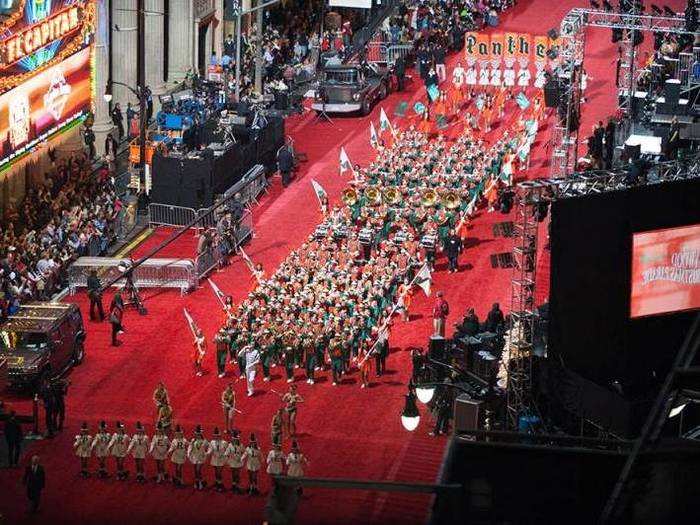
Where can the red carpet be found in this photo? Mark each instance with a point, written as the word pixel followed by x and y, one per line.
pixel 345 431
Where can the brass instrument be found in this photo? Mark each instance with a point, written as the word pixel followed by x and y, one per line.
pixel 451 200
pixel 349 196
pixel 429 198
pixel 374 195
pixel 392 196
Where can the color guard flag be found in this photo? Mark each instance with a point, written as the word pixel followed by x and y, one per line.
pixel 400 109
pixel 318 189
pixel 190 322
pixel 247 260
pixel 373 138
pixel 471 206
pixel 419 108
pixel 433 92
pixel 522 101
pixel 345 163
pixel 219 294
pixel 424 279
pixel 384 122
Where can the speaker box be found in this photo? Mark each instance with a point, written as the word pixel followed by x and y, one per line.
pixel 437 348
pixel 467 413
pixel 551 93
pixel 672 92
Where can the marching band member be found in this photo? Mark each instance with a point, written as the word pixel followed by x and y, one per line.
pixel 228 402
pixel 252 358
pixel 217 451
pixel 160 396
pixel 276 426
pixel 197 454
pixel 222 343
pixel 118 446
pixel 296 461
pixel 234 455
pixel 100 447
pixel 165 418
pixel 200 350
pixel 178 454
pixel 252 459
pixel 160 446
pixel 138 448
pixel 83 449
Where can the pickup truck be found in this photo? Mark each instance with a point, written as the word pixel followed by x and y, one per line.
pixel 349 88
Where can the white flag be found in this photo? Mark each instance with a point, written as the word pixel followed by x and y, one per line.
pixel 471 206
pixel 318 189
pixel 345 163
pixel 190 322
pixel 247 260
pixel 384 122
pixel 373 137
pixel 217 291
pixel 424 279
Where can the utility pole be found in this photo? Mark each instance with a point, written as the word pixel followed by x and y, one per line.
pixel 141 86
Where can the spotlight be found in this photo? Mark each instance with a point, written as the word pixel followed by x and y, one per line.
pixel 677 410
pixel 410 416
pixel 595 5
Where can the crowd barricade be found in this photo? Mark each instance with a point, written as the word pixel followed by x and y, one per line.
pixel 168 215
pixel 152 273
pixel 212 257
pixel 249 188
pixel 396 51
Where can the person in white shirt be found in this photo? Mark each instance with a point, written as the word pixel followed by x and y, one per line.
pixel 252 358
pixel 83 449
pixel 252 458
pixel 217 457
pixel 138 448
pixel 160 445
pixel 295 463
pixel 234 455
pixel 178 454
pixel 118 445
pixel 275 460
pixel 197 454
pixel 100 447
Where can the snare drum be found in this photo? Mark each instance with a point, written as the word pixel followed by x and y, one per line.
pixel 366 235
pixel 428 241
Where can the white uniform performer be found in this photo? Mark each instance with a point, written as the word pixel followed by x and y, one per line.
pixel 524 77
pixel 197 454
pixel 178 454
pixel 83 449
pixel 252 458
pixel 234 455
pixel 458 74
pixel 295 462
pixel 470 76
pixel 118 445
pixel 160 445
pixel 217 457
pixel 252 358
pixel 509 76
pixel 100 447
pixel 138 448
pixel 484 75
pixel 540 76
pixel 275 460
pixel 496 74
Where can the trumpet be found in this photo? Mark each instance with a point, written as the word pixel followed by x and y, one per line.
pixel 391 196
pixel 374 195
pixel 451 200
pixel 349 196
pixel 429 198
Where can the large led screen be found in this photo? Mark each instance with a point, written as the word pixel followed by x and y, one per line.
pixel 665 271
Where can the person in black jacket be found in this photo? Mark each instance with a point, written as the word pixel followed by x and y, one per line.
pixel 453 247
pixel 470 324
pixel 495 319
pixel 35 480
pixel 400 72
pixel 94 286
pixel 13 437
pixel 46 394
pixel 285 161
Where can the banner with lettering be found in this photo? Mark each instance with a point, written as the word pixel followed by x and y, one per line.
pixel 480 46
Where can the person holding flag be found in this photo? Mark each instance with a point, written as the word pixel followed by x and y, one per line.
pixel 345 163
pixel 373 137
pixel 322 197
pixel 200 350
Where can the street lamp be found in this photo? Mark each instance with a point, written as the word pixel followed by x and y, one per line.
pixel 425 393
pixel 410 417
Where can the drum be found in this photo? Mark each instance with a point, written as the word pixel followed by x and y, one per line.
pixel 400 237
pixel 428 241
pixel 340 232
pixel 366 236
pixel 321 231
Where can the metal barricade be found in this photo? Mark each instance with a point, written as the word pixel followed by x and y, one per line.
pixel 376 52
pixel 251 185
pixel 395 51
pixel 168 215
pixel 152 273
pixel 208 260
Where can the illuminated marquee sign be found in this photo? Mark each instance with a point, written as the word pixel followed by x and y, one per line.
pixel 45 71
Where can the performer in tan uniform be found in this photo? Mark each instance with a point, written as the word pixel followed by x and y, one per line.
pixel 234 455
pixel 228 403
pixel 118 445
pixel 100 447
pixel 178 455
pixel 160 445
pixel 83 449
pixel 217 457
pixel 138 448
pixel 197 454
pixel 252 458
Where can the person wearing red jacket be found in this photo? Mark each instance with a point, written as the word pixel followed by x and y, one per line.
pixel 440 312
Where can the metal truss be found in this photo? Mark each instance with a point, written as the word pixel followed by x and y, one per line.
pixel 528 196
pixel 571 49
